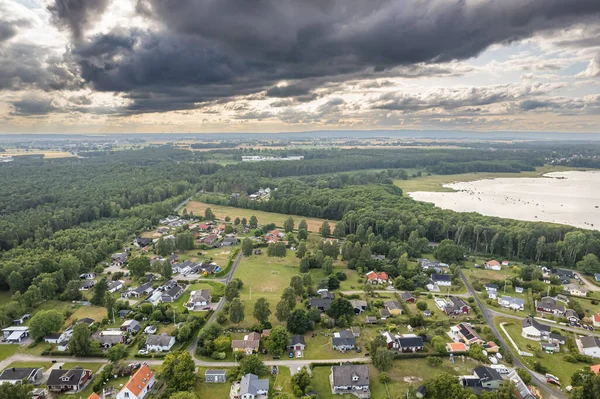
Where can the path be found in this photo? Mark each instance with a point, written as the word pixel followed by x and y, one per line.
pixel 178 207
pixel 489 318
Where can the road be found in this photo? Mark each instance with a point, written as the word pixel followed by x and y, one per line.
pixel 178 207
pixel 489 318
pixel 590 286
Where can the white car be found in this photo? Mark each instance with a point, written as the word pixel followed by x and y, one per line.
pixel 150 330
pixel 142 352
pixel 299 354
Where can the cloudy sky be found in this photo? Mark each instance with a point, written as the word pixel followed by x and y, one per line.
pixel 293 65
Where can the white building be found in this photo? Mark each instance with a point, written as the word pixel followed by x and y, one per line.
pixel 139 385
pixel 590 346
pixel 159 343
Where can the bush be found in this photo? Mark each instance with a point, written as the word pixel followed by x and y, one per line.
pixel 218 355
pixel 540 368
pixel 421 305
pixel 434 361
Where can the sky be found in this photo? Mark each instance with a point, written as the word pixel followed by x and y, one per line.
pixel 187 66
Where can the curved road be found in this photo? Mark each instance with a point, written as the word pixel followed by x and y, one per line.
pixel 489 318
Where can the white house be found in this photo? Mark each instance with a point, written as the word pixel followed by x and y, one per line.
pixel 250 387
pixel 533 330
pixel 159 343
pixel 576 290
pixel 138 385
pixel 115 286
pixel 590 346
pixel 352 379
pixel 15 334
pixel 512 303
pixel 198 299
pixel 493 265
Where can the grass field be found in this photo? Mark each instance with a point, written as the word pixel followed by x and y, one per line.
pixel 263 217
pixel 97 313
pixel 435 182
pixel 7 351
pixel 46 153
pixel 267 277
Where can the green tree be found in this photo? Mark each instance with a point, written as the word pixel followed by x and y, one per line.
pixel 167 269
pixel 139 266
pixel 377 342
pixel 298 322
pixel 253 364
pixel 434 361
pixel 303 225
pixel 178 372
pixel 232 290
pixel 421 305
pixel 301 379
pixel 209 215
pixel 445 386
pixel 45 322
pixel 109 303
pixel 325 230
pixel 261 310
pixel 244 221
pixel 382 358
pixel 341 307
pixel 282 311
pixel 307 280
pixel 278 340
pixel 183 395
pixel 247 247
pixel 222 343
pixel 16 391
pixel 289 295
pixel 16 282
pixel 449 252
pixel 588 265
pixel 297 284
pixel 100 290
pixel 116 353
pixel 253 222
pixel 164 247
pixel 305 264
pixel 301 250
pixel 302 234
pixel 184 333
pixel 236 311
pixel 236 221
pixel 288 225
pixel 328 265
pixel 80 343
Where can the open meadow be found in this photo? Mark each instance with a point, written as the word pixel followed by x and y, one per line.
pixel 221 212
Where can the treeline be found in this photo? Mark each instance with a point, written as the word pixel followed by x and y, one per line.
pixel 447 168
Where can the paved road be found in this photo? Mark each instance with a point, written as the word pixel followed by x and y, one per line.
pixel 178 207
pixel 489 317
pixel 590 286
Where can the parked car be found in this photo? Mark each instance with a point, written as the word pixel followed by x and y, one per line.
pixel 299 354
pixel 358 350
pixel 142 352
pixel 291 355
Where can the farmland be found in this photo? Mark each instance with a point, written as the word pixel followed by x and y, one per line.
pixel 263 217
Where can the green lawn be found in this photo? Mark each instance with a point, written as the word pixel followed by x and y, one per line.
pixel 44 365
pixel 435 182
pixel 554 362
pixel 97 313
pixel 263 217
pixel 7 351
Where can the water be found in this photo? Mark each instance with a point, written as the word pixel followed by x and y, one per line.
pixel 571 198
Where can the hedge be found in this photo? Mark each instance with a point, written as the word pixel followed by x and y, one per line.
pixel 232 258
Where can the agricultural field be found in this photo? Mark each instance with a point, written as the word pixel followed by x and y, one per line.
pixel 436 182
pixel 263 217
pixel 48 154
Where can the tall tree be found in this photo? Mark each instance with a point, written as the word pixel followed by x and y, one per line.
pixel 209 215
pixel 289 295
pixel 247 247
pixel 303 225
pixel 253 222
pixel 298 322
pixel 139 266
pixel 178 372
pixel 325 230
pixel 252 364
pixel 341 307
pixel 297 284
pixel 288 225
pixel 167 269
pixel 301 250
pixel 282 311
pixel 261 310
pixel 100 290
pixel 232 291
pixel 236 311
pixel 16 391
pixel 328 265
pixel 383 358
pixel 80 343
pixel 109 303
pixel 45 322
pixel 278 340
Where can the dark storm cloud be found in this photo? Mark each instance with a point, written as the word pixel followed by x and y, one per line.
pixel 205 50
pixel 10 28
pixel 32 107
pixel 77 15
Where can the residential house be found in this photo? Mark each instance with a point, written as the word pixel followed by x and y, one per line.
pixel 131 326
pixel 210 268
pixel 159 343
pixel 378 257
pixel 198 298
pixel 490 286
pixel 87 276
pixel 355 331
pixel 505 263
pixel 492 293
pixel 520 386
pixel 384 314
pixel 595 369
pixel 393 307
pixel 463 332
pixel 119 259
pixel 596 320
pixel 141 242
pixel 139 292
pixel 351 379
pixel 172 294
pixel 572 316
pixel 209 240
pixel 408 297
pixel 511 303
pixel 532 329
pixel 493 265
pixel 377 277
pixel 215 376
pixel 18 375
pixel 250 387
pixel 15 334
pixel 371 320
pixel 360 305
pixel 491 347
pixel 139 385
pixel 296 343
pixel 548 305
pixel 250 344
pixel 455 347
pixel 123 313
pixel 71 381
pixel 54 338
pixel 343 340
pixel 115 286
pixel 390 339
pixel 155 298
pixel 42 393
pixel 590 346
pixel 410 343
pixel 519 290
pixel 483 379
pixel 562 298
pixel 442 280
pixel 110 338
pixel 456 306
pixel 85 285
pixel 22 319
pixel 576 290
pixel 229 241
pixel 324 302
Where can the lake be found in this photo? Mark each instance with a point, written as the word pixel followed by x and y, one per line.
pixel 571 198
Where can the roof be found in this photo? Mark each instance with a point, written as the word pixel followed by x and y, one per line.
pixel 407 295
pixel 324 303
pixel 139 380
pixel 359 303
pixel 571 313
pixel 596 318
pixel 200 296
pixel 131 324
pixel 343 375
pixel 296 339
pixel 590 342
pixel 531 322
pixel 410 342
pixel 595 369
pixel 174 291
pixel 441 277
pixel 114 284
pixel 94 395
pixel 158 340
pixel 340 341
pixel 492 262
pixel 250 384
pixel 487 374
pixel 73 375
pixel 393 305
pixel 468 332
pixel 456 347
pixel 215 372
pixel 253 336
pixel 14 373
